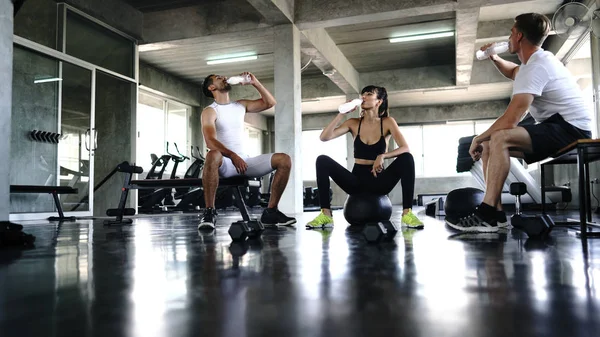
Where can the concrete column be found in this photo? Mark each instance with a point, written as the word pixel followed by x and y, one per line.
pixel 288 113
pixel 595 45
pixel 6 71
pixel 349 138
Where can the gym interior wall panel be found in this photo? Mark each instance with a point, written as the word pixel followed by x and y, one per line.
pixel 36 21
pixel 114 111
pixel 34 107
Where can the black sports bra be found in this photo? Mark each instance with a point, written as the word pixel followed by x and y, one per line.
pixel 369 152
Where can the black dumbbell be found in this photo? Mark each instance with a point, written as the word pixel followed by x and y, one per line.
pixel 535 226
pixel 377 231
pixel 241 230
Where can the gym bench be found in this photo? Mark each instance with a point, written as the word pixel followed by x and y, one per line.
pixel 54 190
pixel 581 152
pixel 238 183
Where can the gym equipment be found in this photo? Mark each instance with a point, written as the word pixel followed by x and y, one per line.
pixel 246 228
pixel 581 152
pixel 517 173
pixel 462 201
pixel 375 232
pixel 536 227
pixel 54 190
pixel 242 229
pixel 360 209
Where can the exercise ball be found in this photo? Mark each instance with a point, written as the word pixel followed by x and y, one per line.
pixel 462 201
pixel 360 209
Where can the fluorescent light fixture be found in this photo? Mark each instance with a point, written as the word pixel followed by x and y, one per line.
pixel 44 80
pixel 232 58
pixel 420 37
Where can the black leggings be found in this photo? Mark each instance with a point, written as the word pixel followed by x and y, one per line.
pixel 361 180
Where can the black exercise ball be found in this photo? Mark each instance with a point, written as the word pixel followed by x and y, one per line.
pixel 360 209
pixel 462 201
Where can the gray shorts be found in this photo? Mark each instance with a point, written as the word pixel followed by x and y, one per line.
pixel 257 166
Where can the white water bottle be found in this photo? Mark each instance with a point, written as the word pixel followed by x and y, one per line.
pixel 496 48
pixel 349 106
pixel 239 79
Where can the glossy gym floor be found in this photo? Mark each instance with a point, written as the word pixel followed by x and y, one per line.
pixel 160 277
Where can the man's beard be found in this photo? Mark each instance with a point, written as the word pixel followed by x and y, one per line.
pixel 227 87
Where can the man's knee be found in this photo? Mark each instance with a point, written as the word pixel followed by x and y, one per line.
pixel 213 158
pixel 498 139
pixel 281 161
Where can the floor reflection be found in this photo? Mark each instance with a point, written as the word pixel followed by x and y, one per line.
pixel 161 277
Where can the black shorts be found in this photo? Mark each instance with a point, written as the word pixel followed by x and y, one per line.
pixel 550 136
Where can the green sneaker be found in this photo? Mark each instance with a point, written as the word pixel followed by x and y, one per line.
pixel 410 220
pixel 321 221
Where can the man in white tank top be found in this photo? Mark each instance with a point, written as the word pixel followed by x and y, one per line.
pixel 223 130
pixel 546 88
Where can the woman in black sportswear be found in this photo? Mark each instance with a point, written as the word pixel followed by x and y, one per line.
pixel 371 132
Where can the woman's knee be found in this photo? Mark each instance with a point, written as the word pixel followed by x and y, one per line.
pixel 323 161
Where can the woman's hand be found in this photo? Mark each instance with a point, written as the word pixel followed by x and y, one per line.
pixel 377 165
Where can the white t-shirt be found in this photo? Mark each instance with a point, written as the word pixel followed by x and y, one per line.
pixel 230 126
pixel 554 90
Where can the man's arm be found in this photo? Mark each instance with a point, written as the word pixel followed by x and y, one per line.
pixel 506 68
pixel 516 109
pixel 209 130
pixel 265 101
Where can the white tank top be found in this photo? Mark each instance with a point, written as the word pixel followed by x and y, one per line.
pixel 230 126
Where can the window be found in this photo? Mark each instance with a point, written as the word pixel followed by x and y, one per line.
pixel 160 121
pixel 443 149
pixel 414 138
pixel 312 147
pixel 433 144
pixel 253 141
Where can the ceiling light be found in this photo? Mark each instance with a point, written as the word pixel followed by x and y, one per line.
pixel 44 80
pixel 232 58
pixel 420 37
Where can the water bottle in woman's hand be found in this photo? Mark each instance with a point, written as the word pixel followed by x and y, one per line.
pixel 349 106
pixel 496 48
pixel 240 79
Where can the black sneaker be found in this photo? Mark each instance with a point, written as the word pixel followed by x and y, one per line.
pixel 209 219
pixel 501 219
pixel 474 222
pixel 274 217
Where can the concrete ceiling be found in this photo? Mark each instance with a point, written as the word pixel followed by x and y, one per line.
pixel 348 35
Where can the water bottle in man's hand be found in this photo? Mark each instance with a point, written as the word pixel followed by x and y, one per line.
pixel 496 48
pixel 240 79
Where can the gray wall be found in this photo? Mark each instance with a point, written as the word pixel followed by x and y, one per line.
pixel 169 86
pixel 114 123
pixel 6 65
pixel 35 107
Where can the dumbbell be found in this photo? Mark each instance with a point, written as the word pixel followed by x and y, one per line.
pixel 535 226
pixel 376 231
pixel 241 230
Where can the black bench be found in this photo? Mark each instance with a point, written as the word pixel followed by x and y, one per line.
pixel 238 183
pixel 581 152
pixel 54 190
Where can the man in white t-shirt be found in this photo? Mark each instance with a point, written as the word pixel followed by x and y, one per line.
pixel 546 88
pixel 223 130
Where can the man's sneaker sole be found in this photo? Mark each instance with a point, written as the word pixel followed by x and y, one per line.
pixel 206 226
pixel 288 223
pixel 502 224
pixel 475 229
